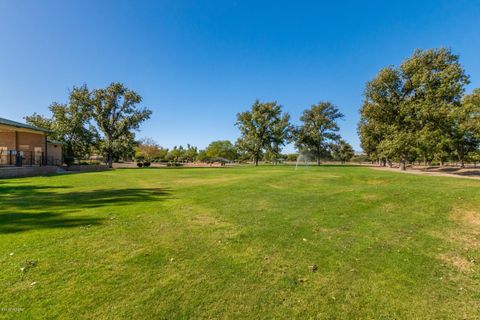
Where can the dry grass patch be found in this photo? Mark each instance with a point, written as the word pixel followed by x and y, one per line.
pixel 468 217
pixel 388 207
pixel 468 232
pixel 224 230
pixel 375 182
pixel 460 263
pixel 370 197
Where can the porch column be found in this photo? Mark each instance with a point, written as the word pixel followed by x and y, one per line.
pixel 16 141
pixel 45 159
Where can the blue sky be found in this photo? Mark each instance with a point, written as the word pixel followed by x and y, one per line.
pixel 198 63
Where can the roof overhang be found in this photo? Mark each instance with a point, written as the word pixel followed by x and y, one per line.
pixel 6 128
pixel 9 125
pixel 54 142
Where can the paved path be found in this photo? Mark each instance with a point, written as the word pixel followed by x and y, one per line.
pixel 450 172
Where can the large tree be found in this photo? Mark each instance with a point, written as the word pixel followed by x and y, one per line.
pixel 176 154
pixel 221 149
pixel 116 113
pixel 191 153
pixel 70 124
pixel 342 151
pixel 383 118
pixel 405 113
pixel 465 130
pixel 433 84
pixel 148 149
pixel 281 133
pixel 318 130
pixel 262 128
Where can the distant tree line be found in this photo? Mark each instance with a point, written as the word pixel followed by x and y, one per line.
pixel 103 122
pixel 419 112
pixel 223 151
pixel 265 129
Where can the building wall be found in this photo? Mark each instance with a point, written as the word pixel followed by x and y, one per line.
pixel 16 172
pixel 88 168
pixel 7 139
pixel 54 152
pixel 30 141
pixel 31 146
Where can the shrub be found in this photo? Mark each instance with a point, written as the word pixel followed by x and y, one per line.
pixel 68 160
pixel 292 157
pixel 174 164
pixel 139 164
pixel 146 164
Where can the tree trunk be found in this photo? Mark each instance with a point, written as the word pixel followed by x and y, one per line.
pixel 461 157
pixel 319 152
pixel 403 161
pixel 110 160
pixel 256 161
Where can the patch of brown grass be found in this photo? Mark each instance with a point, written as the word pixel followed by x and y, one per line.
pixel 458 262
pixel 469 217
pixel 466 234
pixel 388 207
pixel 468 221
pixel 370 197
pixel 375 182
pixel 206 220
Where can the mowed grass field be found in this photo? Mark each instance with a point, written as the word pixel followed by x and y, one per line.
pixel 267 242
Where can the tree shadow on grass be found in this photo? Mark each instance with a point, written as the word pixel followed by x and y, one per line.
pixel 28 207
pixel 469 172
pixel 20 222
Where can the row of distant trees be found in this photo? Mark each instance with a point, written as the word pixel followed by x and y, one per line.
pixel 265 129
pixel 102 122
pixel 224 151
pixel 415 112
pixel 95 122
pixel 419 112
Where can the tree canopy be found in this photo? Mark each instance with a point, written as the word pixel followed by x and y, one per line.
pixel 70 124
pixel 319 129
pixel 342 151
pixel 415 111
pixel 116 113
pixel 264 128
pixel 221 149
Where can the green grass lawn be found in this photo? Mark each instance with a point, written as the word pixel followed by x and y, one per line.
pixel 266 242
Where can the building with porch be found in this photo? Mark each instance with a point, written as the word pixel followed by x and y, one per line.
pixel 25 145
